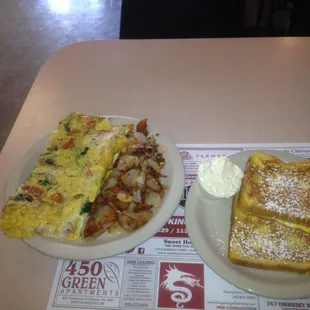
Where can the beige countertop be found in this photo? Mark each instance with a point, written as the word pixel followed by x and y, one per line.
pixel 196 91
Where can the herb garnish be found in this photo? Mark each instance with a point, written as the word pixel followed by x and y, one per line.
pixel 67 127
pixel 86 207
pixel 84 152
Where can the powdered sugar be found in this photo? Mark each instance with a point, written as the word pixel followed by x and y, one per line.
pixel 280 190
pixel 265 240
pixel 283 190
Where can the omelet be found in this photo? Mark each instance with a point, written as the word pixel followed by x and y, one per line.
pixel 56 199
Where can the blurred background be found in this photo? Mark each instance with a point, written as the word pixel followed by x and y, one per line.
pixel 214 19
pixel 31 30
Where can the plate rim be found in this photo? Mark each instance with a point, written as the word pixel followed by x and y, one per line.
pixel 130 241
pixel 285 292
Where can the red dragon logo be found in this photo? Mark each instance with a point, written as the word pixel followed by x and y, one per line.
pixel 181 285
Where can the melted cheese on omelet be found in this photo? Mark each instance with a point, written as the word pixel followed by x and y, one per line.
pixel 56 198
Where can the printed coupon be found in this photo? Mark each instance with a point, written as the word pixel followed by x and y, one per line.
pixel 139 287
pixel 284 304
pixel 221 295
pixel 181 285
pixel 88 284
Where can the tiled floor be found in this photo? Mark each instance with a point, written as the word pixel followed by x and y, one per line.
pixel 31 30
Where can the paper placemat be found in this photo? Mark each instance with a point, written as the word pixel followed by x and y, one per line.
pixel 150 276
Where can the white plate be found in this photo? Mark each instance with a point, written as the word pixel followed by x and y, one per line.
pixel 208 225
pixel 105 245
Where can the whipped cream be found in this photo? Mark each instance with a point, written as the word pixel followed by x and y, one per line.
pixel 220 177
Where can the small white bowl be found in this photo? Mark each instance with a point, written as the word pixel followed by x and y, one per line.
pixel 207 194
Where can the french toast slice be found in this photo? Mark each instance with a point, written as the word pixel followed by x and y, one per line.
pixel 263 243
pixel 272 188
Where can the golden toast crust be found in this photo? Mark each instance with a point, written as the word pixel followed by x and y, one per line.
pixel 263 243
pixel 273 188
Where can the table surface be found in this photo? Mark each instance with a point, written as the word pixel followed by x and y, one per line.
pixel 196 91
